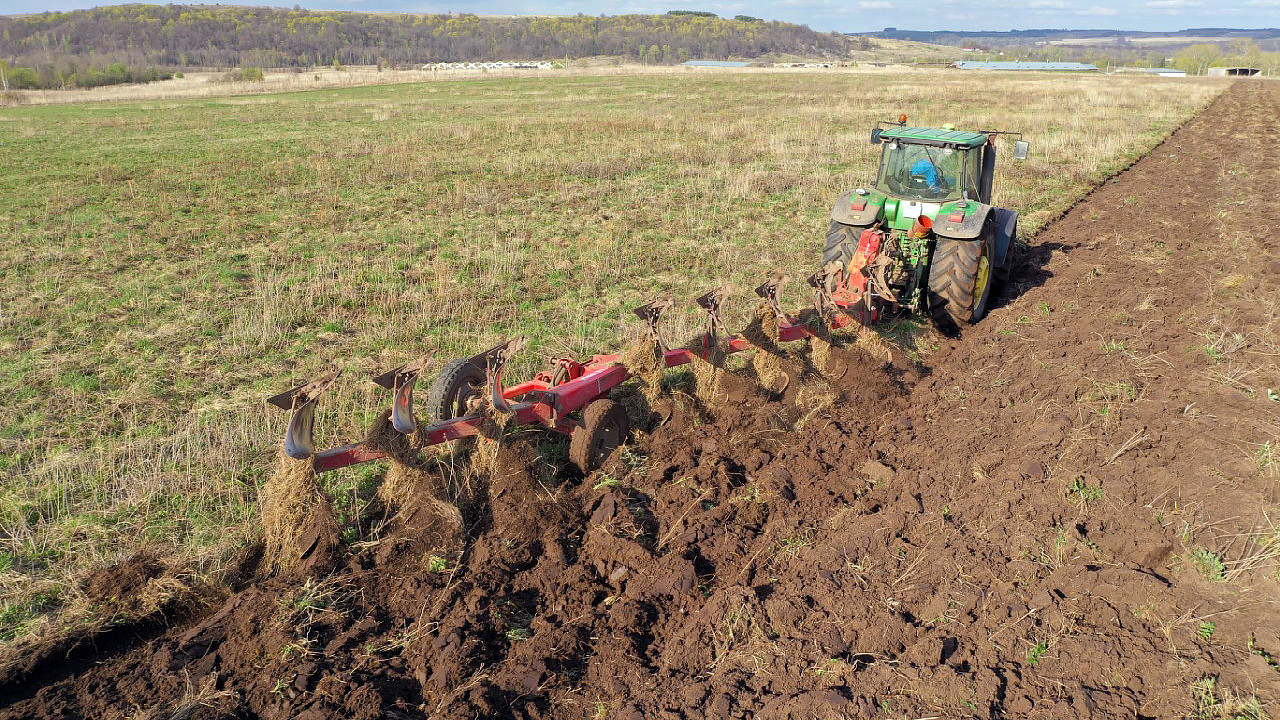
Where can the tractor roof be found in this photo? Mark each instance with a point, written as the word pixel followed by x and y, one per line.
pixel 934 136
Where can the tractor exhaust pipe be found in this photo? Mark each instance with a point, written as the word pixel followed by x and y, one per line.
pixel 920 228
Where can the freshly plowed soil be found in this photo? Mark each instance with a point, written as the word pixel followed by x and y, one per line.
pixel 1026 528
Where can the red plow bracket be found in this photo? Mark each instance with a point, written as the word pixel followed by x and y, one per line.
pixel 822 283
pixel 400 382
pixel 770 291
pixel 301 402
pixel 710 301
pixel 651 314
pixel 495 361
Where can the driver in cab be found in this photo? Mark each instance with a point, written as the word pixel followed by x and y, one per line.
pixel 926 170
pixel 921 172
pixel 933 171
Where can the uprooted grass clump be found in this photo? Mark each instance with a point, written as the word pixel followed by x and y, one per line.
pixel 300 527
pixel 426 517
pixel 773 372
pixel 709 372
pixel 418 491
pixel 645 360
pixel 801 373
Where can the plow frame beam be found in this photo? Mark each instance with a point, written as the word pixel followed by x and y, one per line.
pixel 537 402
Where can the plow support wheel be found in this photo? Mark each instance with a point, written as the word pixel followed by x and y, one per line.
pixel 604 428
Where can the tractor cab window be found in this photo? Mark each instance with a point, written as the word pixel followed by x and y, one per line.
pixel 972 173
pixel 921 172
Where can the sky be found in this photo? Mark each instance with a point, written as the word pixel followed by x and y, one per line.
pixel 840 15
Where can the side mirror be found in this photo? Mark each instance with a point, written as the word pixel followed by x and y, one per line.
pixel 1020 148
pixel 875 136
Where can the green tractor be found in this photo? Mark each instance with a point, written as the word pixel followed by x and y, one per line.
pixel 926 237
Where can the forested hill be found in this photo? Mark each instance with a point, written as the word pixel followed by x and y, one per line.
pixel 227 36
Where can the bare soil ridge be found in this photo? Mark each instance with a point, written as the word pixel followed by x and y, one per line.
pixel 1026 529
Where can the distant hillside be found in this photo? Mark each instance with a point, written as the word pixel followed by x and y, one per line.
pixel 177 36
pixel 1194 50
pixel 1266 37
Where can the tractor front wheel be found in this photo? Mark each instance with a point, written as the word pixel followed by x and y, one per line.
pixel 960 280
pixel 604 427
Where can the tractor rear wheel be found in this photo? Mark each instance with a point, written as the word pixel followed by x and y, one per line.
pixel 1004 271
pixel 604 427
pixel 960 280
pixel 842 243
pixel 453 388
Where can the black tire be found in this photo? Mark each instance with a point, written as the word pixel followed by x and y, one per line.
pixel 455 384
pixel 1001 275
pixel 959 291
pixel 604 427
pixel 842 243
pixel 1004 272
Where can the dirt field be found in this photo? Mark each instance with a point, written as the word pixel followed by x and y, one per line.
pixel 1069 512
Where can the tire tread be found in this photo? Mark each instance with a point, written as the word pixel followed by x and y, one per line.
pixel 595 416
pixel 952 275
pixel 842 243
pixel 440 396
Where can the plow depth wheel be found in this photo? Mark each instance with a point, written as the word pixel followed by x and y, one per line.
pixel 604 426
pixel 453 388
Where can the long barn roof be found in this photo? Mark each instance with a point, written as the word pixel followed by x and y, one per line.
pixel 1014 65
pixel 714 63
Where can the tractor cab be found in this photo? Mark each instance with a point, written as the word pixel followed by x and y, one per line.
pixel 935 165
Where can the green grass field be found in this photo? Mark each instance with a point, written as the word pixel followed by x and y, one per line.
pixel 168 264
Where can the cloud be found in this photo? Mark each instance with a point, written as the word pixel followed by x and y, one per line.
pixel 1099 11
pixel 1166 4
pixel 875 5
pixel 1263 3
pixel 1054 4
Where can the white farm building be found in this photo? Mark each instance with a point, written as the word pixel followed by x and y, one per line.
pixel 499 65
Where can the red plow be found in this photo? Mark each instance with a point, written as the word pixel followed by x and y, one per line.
pixel 465 389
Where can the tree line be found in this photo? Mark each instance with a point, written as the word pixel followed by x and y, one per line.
pixel 71 74
pixel 189 36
